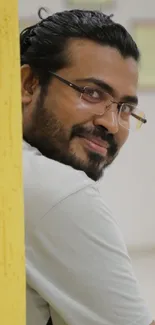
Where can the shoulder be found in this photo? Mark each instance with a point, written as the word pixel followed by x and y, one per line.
pixel 48 182
pixel 74 246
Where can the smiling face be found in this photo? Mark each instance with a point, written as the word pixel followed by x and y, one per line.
pixel 66 127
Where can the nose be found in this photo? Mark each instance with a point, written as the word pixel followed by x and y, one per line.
pixel 109 120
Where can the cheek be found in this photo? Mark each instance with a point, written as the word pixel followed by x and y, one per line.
pixel 121 137
pixel 67 107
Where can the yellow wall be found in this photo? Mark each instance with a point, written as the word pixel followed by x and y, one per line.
pixel 12 273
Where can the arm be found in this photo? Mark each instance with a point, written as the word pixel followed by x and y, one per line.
pixel 83 268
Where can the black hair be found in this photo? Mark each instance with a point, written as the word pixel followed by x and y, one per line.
pixel 44 45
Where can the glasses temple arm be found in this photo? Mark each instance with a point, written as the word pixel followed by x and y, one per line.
pixel 70 84
pixel 141 119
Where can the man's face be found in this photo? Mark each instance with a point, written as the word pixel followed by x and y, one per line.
pixel 66 128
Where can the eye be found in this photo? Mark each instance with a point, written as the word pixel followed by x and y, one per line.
pixel 127 108
pixel 93 95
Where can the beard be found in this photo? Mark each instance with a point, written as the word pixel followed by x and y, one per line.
pixel 49 136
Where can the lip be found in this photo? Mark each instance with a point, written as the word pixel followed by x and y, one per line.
pixel 97 145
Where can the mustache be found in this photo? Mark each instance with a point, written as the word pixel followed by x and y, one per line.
pixel 98 132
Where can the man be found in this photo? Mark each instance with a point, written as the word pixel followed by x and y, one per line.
pixel 79 73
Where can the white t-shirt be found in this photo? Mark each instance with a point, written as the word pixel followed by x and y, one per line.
pixel 78 268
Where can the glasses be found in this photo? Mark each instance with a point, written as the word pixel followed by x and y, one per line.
pixel 98 102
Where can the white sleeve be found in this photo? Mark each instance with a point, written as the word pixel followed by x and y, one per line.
pixel 80 266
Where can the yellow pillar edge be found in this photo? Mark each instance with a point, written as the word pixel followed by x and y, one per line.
pixel 12 260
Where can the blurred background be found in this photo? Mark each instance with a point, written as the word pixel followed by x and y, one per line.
pixel 129 185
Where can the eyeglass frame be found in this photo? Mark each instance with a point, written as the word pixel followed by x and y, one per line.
pixel 82 90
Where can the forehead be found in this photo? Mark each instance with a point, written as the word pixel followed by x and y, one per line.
pixel 90 59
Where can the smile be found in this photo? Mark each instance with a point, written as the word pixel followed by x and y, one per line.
pixel 96 145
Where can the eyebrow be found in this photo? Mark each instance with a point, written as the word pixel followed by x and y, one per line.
pixel 110 90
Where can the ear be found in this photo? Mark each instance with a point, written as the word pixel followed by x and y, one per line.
pixel 29 84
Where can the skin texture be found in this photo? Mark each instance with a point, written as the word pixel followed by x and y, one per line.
pixel 62 125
